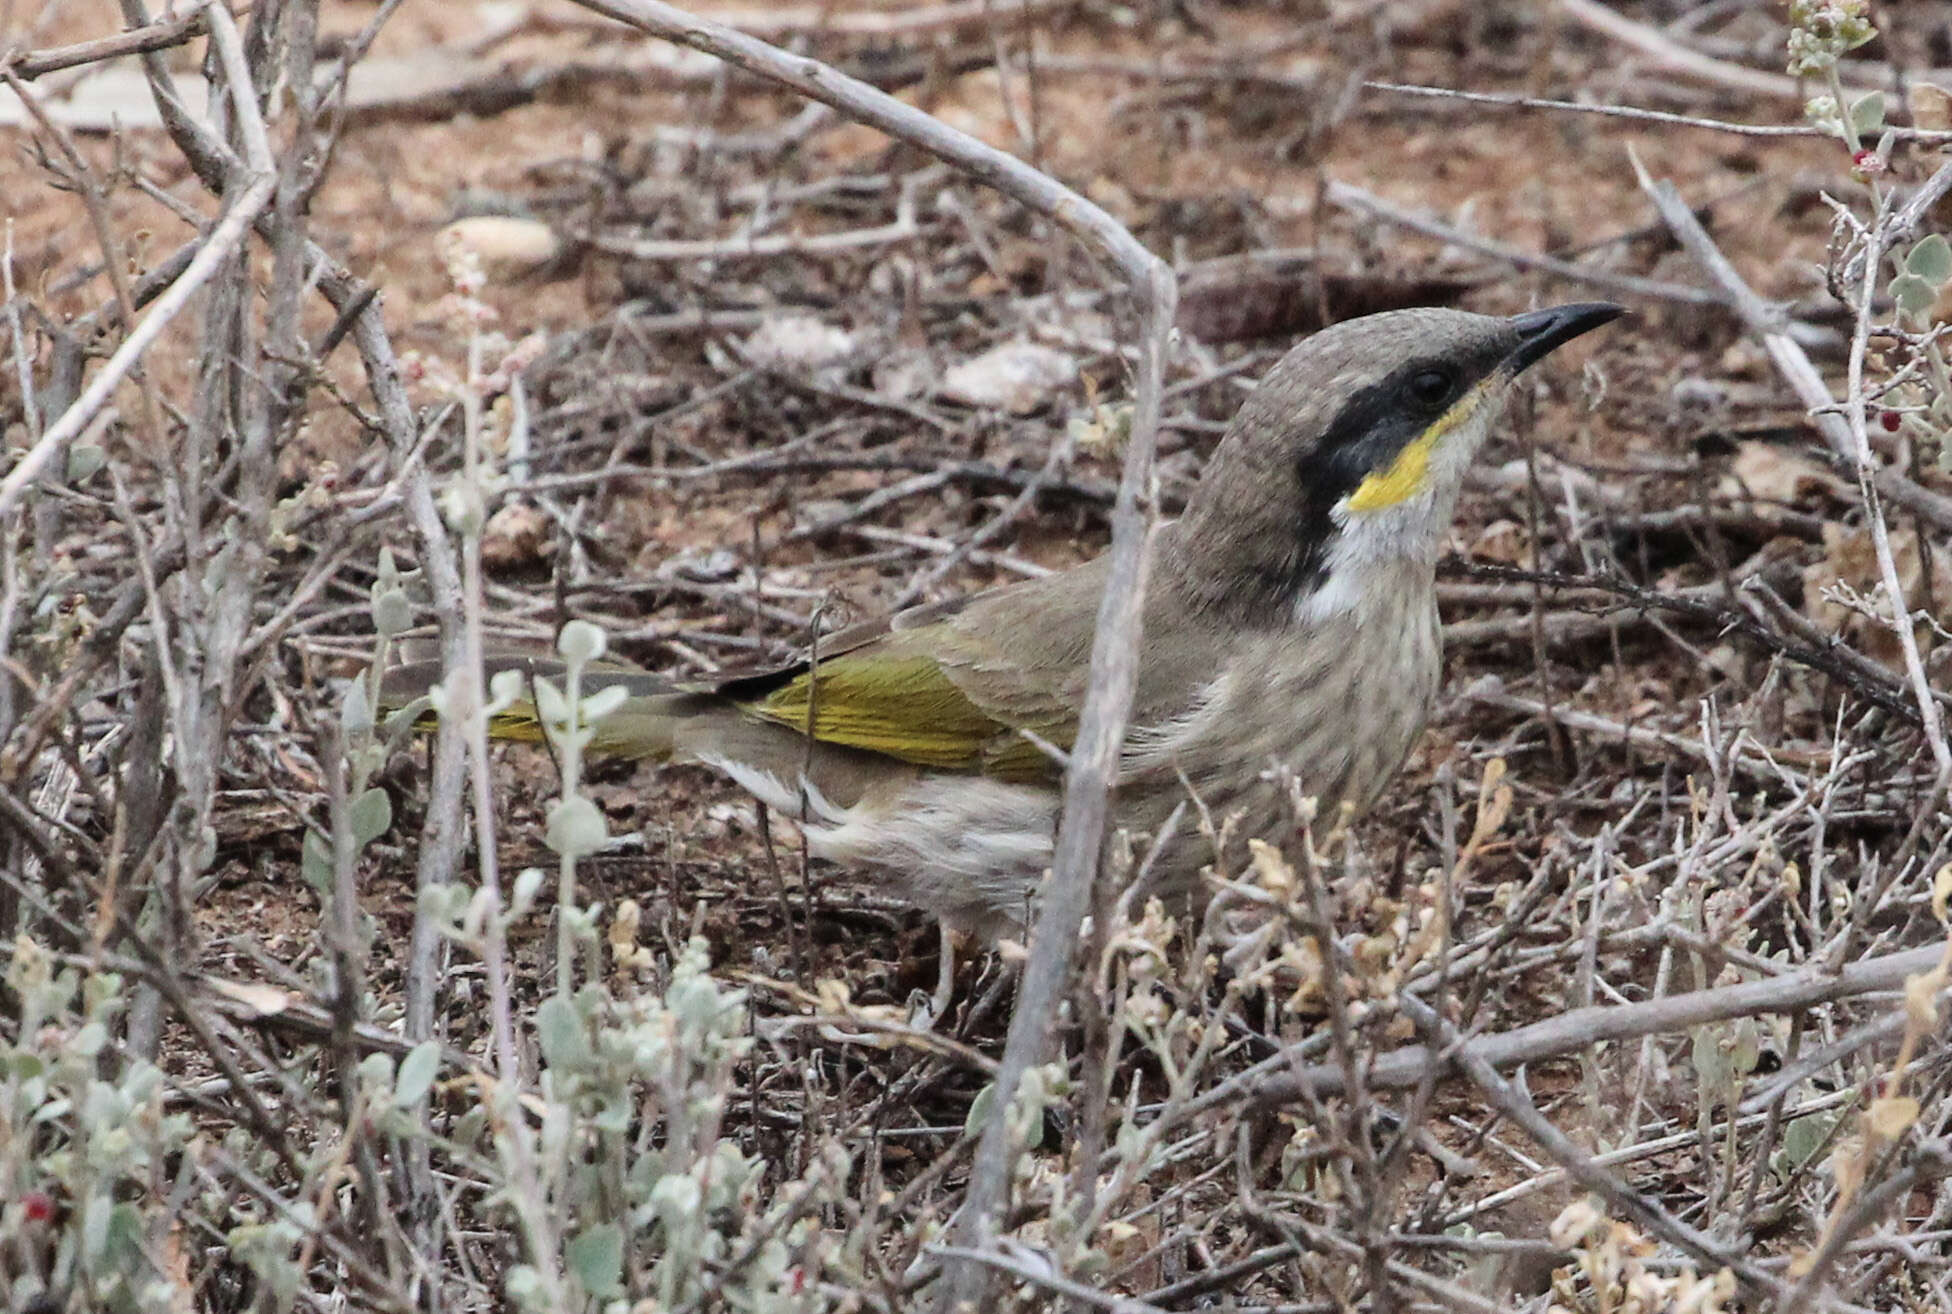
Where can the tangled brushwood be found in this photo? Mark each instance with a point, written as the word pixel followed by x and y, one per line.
pixel 347 343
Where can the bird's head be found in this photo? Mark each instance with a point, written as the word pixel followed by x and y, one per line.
pixel 1351 451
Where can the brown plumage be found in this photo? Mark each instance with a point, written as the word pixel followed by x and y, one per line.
pixel 1290 626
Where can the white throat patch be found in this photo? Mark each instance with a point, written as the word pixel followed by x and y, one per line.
pixel 1411 527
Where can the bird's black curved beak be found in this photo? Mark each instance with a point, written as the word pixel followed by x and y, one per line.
pixel 1542 331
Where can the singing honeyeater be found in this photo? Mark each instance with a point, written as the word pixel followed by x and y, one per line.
pixel 1290 621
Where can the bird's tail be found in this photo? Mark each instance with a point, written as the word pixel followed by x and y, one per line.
pixel 644 726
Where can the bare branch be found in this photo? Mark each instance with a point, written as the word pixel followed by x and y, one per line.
pixel 1807 987
pixel 164 34
pixel 209 259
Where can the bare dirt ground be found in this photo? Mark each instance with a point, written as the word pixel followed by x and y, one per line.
pixel 713 437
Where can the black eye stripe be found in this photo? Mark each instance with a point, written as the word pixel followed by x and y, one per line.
pixel 1368 431
pixel 1375 423
pixel 1433 388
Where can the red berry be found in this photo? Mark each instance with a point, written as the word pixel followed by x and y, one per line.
pixel 1891 421
pixel 1867 163
pixel 38 1206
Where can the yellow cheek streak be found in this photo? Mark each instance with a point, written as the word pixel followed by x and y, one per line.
pixel 1406 474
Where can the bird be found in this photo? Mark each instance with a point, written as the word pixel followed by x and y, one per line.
pixel 1289 635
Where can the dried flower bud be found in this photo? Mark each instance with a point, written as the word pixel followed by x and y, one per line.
pixel 1574 1224
pixel 1890 1117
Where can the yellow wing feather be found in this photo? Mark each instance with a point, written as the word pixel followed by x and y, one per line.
pixel 902 705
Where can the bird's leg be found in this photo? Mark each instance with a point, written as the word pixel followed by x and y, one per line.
pixel 945 974
pixel 925 1014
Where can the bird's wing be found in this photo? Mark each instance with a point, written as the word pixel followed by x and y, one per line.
pixel 950 686
pixel 933 696
pixel 755 682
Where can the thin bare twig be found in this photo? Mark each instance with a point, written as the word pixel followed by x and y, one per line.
pixel 1931 1162
pixel 1676 58
pixel 1635 113
pixel 1516 1104
pixel 762 247
pixel 1791 992
pixel 1101 724
pixel 164 34
pixel 776 23
pixel 1355 198
pixel 215 252
pixel 1845 433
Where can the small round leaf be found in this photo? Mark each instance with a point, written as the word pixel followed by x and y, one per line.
pixel 1912 293
pixel 417 1072
pixel 576 827
pixel 581 642
pixel 370 814
pixel 1931 260
pixel 1867 113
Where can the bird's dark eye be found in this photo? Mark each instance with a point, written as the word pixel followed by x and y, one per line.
pixel 1432 388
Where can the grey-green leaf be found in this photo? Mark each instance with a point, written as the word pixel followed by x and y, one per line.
pixel 559 1028
pixel 596 1257
pixel 371 813
pixel 1710 1061
pixel 84 459
pixel 94 1231
pixel 1867 113
pixel 1912 293
pixel 576 827
pixel 580 642
pixel 417 1072
pixel 1802 1138
pixel 315 861
pixel 356 709
pixel 124 1231
pixel 979 1109
pixel 1931 260
pixel 400 721
pixel 550 705
pixel 505 689
pixel 392 611
pixel 604 701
